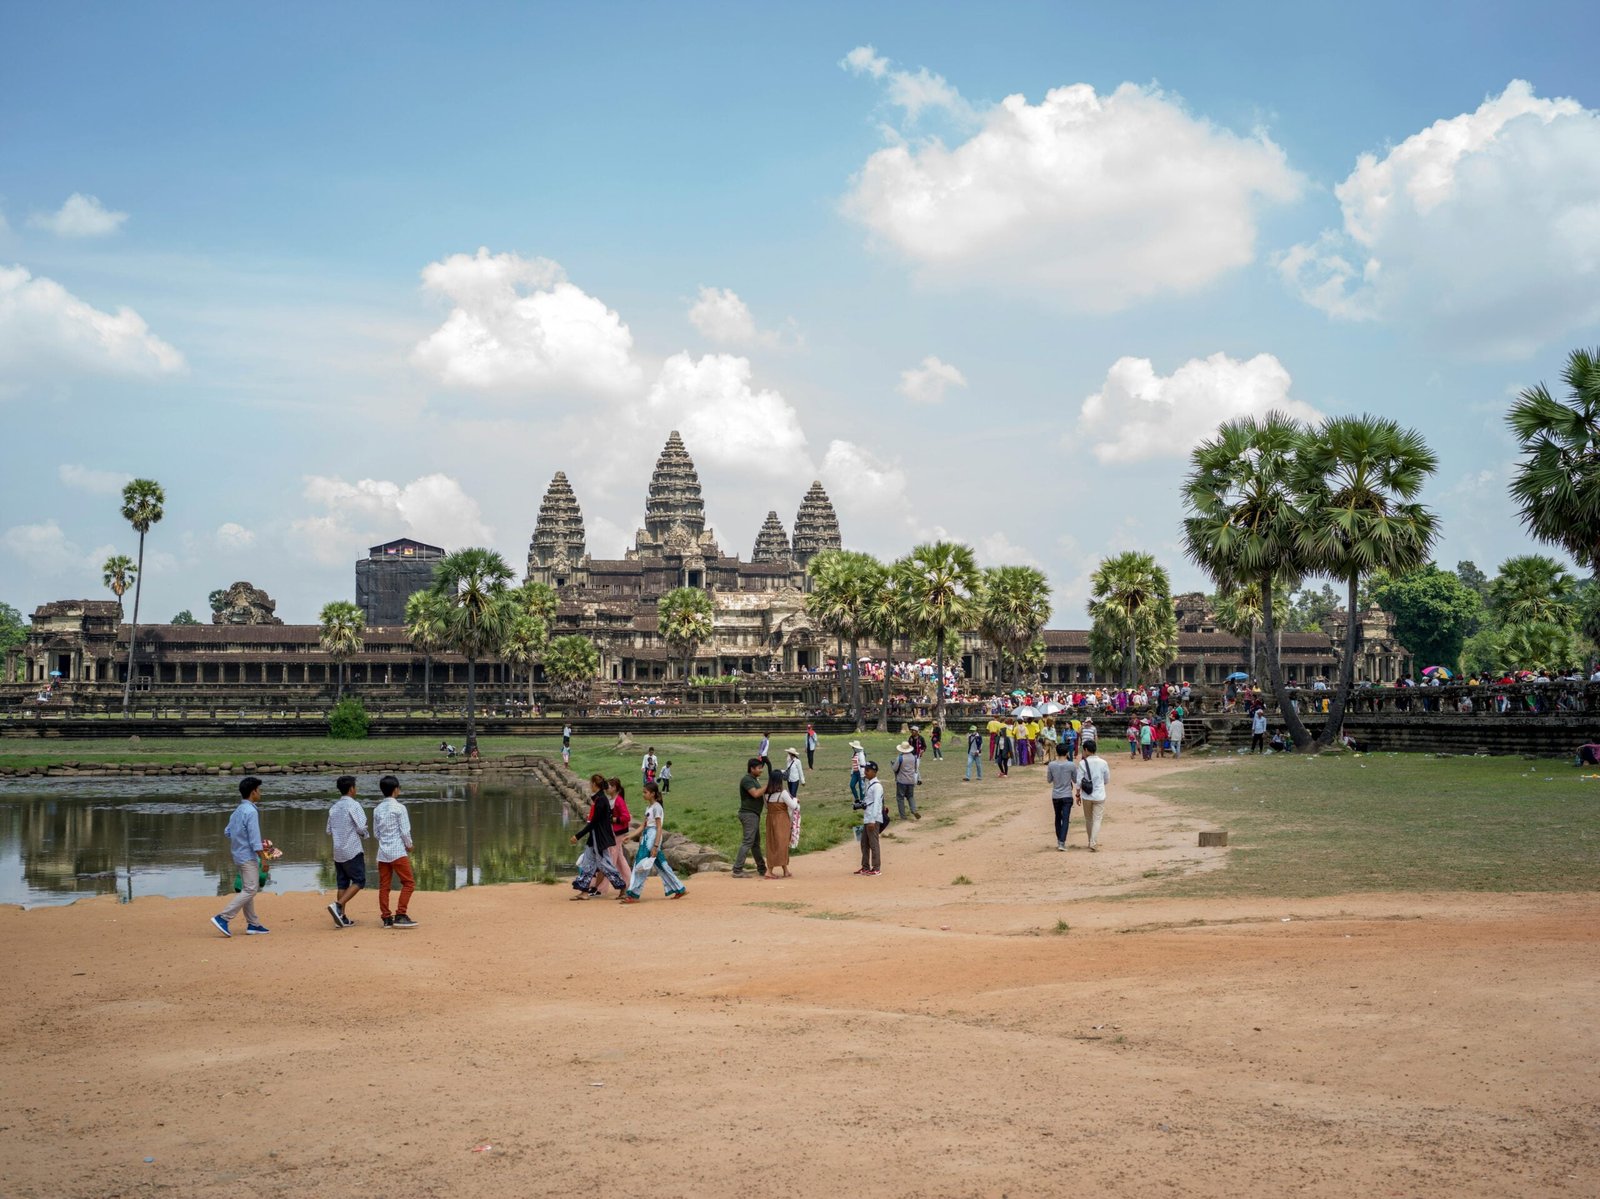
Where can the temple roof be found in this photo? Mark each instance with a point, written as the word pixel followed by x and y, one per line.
pixel 674 498
pixel 816 526
pixel 558 533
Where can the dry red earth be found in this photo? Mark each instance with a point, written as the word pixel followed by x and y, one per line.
pixel 829 1035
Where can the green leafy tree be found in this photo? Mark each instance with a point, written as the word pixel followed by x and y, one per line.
pixel 184 617
pixel 1433 612
pixel 571 663
pixel 1245 522
pixel 844 582
pixel 472 583
pixel 687 619
pixel 143 506
pixel 1467 571
pixel 1013 606
pixel 217 599
pixel 1312 611
pixel 526 638
pixel 348 720
pixel 1556 486
pixel 427 622
pixel 538 599
pixel 1533 589
pixel 1527 645
pixel 1239 612
pixel 1360 476
pixel 341 625
pixel 13 632
pixel 888 615
pixel 941 583
pixel 118 574
pixel 1130 603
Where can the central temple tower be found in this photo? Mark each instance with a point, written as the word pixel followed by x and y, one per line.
pixel 674 512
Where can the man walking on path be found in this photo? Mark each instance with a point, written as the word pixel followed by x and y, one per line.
pixel 1063 777
pixel 391 825
pixel 1258 731
pixel 1094 776
pixel 858 765
pixel 905 780
pixel 974 754
pixel 937 736
pixel 1175 734
pixel 347 825
pixel 249 859
pixel 766 745
pixel 811 746
pixel 752 807
pixel 871 818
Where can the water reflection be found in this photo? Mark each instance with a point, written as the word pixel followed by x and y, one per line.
pixel 65 838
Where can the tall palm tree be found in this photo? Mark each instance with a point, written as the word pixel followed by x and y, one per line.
pixel 539 599
pixel 1131 596
pixel 1239 613
pixel 526 637
pixel 143 506
pixel 427 617
pixel 1557 484
pixel 1245 522
pixel 571 662
pixel 824 606
pixel 844 583
pixel 687 620
pixel 340 635
pixel 118 575
pixel 941 585
pixel 1014 603
pixel 889 617
pixel 1361 476
pixel 1533 589
pixel 473 585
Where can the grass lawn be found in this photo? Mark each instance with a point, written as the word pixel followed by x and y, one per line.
pixel 702 804
pixel 1303 826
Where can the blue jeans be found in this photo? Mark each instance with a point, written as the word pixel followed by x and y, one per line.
pixel 858 786
pixel 973 760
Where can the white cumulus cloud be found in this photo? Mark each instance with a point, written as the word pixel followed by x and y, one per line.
pixel 862 485
pixel 928 382
pixel 45 329
pixel 1096 200
pixel 724 319
pixel 433 508
pixel 233 536
pixel 79 216
pixel 721 415
pixel 518 323
pixel 1482 230
pixel 910 90
pixel 1138 415
pixel 95 482
pixel 47 550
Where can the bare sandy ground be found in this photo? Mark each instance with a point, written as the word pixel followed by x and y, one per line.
pixel 830 1035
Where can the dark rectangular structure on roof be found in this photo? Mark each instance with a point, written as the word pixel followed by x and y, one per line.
pixel 391 574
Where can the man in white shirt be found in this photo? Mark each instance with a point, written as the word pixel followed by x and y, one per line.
pixel 649 767
pixel 1094 776
pixel 391 825
pixel 858 764
pixel 871 818
pixel 347 825
pixel 1258 731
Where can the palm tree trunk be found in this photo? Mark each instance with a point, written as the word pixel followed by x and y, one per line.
pixel 1133 659
pixel 855 681
pixel 472 707
pixel 530 688
pixel 938 681
pixel 427 680
pixel 838 665
pixel 888 685
pixel 133 636
pixel 1291 718
pixel 1347 675
pixel 1000 666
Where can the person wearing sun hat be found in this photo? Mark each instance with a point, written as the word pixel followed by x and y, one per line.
pixel 858 768
pixel 974 754
pixel 905 780
pixel 794 774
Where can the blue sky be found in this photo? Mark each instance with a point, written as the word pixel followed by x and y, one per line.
pixel 1004 321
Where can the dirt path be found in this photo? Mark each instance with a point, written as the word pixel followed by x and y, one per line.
pixel 902 1035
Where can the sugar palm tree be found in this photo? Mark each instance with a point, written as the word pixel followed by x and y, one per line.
pixel 342 624
pixel 1245 522
pixel 824 606
pixel 118 575
pixel 941 582
pixel 1557 484
pixel 1533 589
pixel 1131 597
pixel 1014 603
pixel 427 615
pixel 571 662
pixel 143 506
pixel 539 599
pixel 687 621
pixel 473 585
pixel 845 582
pixel 888 615
pixel 1360 476
pixel 1239 613
pixel 525 639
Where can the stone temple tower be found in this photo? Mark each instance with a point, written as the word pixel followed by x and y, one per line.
pixel 816 526
pixel 674 513
pixel 557 548
pixel 772 543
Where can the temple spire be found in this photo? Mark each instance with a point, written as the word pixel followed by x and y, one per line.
pixel 558 536
pixel 772 543
pixel 816 526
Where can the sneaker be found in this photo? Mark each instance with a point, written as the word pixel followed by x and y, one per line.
pixel 1061 846
pixel 679 894
pixel 874 873
pixel 863 870
pixel 626 898
pixel 916 815
pixel 345 921
pixel 256 930
pixel 338 916
pixel 221 926
pixel 388 922
pixel 739 874
pixel 404 921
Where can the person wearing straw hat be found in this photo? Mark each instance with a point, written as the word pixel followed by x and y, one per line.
pixel 905 780
pixel 858 767
pixel 793 773
pixel 974 754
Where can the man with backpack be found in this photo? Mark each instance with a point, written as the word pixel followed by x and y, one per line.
pixel 905 780
pixel 1094 775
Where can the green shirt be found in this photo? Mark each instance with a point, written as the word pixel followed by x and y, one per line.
pixel 752 793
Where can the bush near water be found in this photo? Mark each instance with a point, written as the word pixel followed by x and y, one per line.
pixel 348 720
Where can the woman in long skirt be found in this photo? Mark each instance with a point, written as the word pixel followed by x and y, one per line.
pixel 778 826
pixel 599 840
pixel 621 822
pixel 650 856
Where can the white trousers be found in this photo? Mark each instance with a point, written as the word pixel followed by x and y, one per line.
pixel 1092 811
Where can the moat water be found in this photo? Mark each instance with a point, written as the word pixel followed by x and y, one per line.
pixel 64 839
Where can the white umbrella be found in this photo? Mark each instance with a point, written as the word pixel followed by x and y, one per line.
pixel 1025 710
pixel 1051 709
